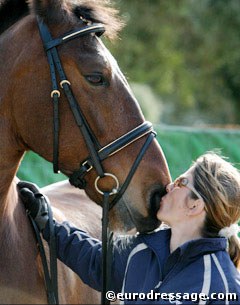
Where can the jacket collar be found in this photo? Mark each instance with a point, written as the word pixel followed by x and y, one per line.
pixel 160 239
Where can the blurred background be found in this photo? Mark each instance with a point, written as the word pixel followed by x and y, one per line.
pixel 182 59
pixel 183 56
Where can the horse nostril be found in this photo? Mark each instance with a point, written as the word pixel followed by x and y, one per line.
pixel 155 202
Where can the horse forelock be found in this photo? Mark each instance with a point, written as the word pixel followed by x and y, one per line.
pixel 79 11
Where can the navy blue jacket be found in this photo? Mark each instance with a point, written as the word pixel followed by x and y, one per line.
pixel 144 264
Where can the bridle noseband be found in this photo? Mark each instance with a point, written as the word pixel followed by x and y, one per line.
pixel 96 153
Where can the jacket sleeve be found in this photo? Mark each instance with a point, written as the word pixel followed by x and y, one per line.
pixel 83 254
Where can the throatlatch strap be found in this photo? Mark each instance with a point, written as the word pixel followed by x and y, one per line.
pixel 45 35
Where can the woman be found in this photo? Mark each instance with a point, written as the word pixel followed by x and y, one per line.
pixel 193 257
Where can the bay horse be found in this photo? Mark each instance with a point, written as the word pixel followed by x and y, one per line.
pixel 26 119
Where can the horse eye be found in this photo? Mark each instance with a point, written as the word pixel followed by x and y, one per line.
pixel 96 79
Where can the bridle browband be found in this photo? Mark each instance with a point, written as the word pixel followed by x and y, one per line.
pixel 97 153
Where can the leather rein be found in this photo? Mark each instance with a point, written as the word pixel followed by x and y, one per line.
pixel 97 154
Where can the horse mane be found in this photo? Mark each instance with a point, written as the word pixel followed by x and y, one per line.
pixel 63 11
pixel 11 11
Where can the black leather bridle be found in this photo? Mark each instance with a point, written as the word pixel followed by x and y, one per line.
pixel 96 153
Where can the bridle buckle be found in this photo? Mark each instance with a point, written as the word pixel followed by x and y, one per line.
pixel 87 166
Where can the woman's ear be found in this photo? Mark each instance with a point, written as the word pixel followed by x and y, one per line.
pixel 195 207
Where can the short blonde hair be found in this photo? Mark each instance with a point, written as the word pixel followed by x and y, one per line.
pixel 218 182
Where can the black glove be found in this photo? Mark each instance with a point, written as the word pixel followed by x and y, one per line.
pixel 36 204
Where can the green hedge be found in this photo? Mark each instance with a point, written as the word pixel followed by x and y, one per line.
pixel 181 146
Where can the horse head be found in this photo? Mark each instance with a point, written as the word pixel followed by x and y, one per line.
pixel 103 96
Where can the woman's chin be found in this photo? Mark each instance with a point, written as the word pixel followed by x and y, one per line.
pixel 161 217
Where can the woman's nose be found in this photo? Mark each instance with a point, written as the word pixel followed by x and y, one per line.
pixel 169 187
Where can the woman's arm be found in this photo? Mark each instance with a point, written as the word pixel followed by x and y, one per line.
pixel 83 254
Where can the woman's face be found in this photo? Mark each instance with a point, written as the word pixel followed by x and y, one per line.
pixel 174 206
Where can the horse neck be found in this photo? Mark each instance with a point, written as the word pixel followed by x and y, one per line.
pixel 11 212
pixel 10 156
pixel 8 192
pixel 13 221
pixel 11 145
